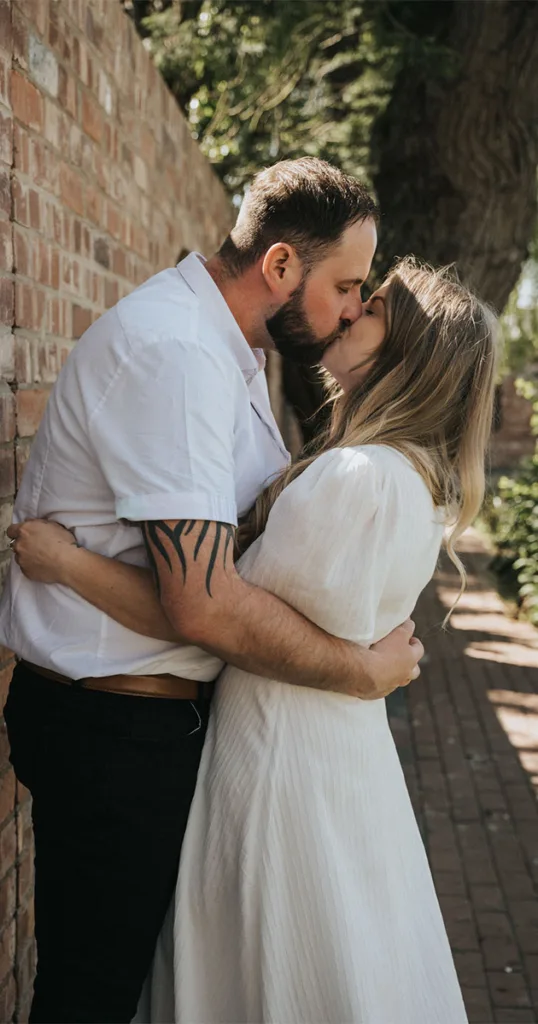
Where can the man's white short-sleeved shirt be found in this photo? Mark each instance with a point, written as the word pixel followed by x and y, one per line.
pixel 161 412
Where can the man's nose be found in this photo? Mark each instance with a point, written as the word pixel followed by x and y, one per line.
pixel 353 310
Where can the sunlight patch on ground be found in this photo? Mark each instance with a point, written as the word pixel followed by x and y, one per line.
pixel 518 715
pixel 490 633
pixel 504 653
pixel 482 611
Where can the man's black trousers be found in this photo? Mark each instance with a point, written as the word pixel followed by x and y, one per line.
pixel 112 778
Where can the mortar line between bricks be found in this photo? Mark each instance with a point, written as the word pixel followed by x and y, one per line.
pixel 491 846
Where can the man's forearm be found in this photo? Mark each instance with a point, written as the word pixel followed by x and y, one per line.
pixel 208 604
pixel 214 608
pixel 253 629
pixel 259 633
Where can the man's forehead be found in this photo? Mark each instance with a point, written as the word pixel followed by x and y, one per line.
pixel 356 246
pixel 352 267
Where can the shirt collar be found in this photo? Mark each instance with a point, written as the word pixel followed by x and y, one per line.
pixel 193 271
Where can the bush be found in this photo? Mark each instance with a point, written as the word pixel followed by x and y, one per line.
pixel 513 519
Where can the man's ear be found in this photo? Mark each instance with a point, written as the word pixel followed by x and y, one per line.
pixel 282 271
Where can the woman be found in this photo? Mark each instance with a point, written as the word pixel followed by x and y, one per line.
pixel 304 892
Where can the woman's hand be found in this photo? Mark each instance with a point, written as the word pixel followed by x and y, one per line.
pixel 47 553
pixel 42 550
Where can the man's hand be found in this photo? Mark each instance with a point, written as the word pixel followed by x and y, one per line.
pixel 394 661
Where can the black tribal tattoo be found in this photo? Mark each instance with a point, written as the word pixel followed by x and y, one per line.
pixel 155 530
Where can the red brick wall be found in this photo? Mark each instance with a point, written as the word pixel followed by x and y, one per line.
pixel 101 185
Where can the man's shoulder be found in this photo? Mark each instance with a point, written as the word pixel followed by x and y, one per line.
pixel 161 307
pixel 162 323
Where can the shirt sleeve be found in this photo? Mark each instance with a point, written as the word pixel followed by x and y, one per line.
pixel 325 549
pixel 164 434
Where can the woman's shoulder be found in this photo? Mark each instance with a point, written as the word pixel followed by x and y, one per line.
pixel 399 483
pixel 384 457
pixel 389 463
pixel 378 470
pixel 368 461
pixel 335 478
pixel 339 464
pixel 338 489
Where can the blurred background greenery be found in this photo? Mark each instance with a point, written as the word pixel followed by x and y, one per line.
pixel 435 104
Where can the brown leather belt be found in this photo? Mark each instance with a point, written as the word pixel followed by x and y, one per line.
pixel 165 685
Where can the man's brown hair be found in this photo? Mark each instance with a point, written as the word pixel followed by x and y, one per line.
pixel 307 203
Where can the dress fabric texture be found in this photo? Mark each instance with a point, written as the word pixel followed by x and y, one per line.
pixel 304 892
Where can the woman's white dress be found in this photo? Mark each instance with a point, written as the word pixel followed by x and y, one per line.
pixel 304 893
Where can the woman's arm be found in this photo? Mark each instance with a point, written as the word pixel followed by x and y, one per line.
pixel 47 553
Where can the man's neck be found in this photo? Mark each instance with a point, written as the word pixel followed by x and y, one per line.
pixel 240 296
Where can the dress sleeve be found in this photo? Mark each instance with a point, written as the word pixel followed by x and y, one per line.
pixel 326 548
pixel 165 435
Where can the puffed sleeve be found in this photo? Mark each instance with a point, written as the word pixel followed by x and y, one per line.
pixel 326 549
pixel 165 435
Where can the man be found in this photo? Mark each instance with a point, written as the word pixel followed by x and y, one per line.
pixel 161 418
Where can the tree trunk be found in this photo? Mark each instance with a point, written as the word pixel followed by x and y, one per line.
pixel 455 156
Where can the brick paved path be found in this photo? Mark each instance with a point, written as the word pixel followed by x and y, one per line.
pixel 467 733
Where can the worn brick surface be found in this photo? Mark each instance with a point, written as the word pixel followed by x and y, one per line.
pixel 467 733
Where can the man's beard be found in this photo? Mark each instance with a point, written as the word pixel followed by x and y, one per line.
pixel 293 335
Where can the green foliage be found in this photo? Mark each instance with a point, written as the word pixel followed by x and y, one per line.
pixel 256 79
pixel 513 510
pixel 513 520
pixel 262 80
pixel 519 322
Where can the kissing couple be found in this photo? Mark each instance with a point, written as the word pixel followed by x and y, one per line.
pixel 206 633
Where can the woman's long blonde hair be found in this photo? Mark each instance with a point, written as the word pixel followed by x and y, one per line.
pixel 429 395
